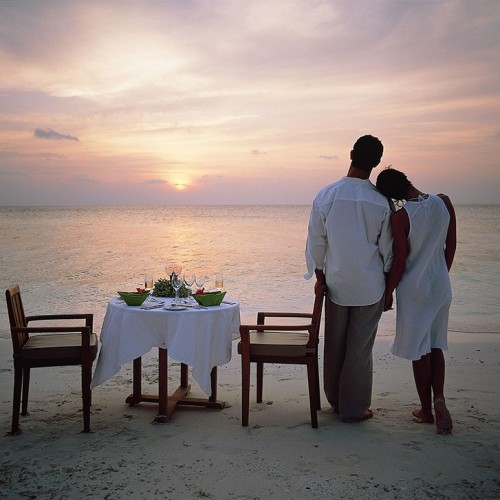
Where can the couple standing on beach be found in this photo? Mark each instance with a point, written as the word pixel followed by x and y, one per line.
pixel 362 251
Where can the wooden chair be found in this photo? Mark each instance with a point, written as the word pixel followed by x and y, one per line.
pixel 52 346
pixel 283 344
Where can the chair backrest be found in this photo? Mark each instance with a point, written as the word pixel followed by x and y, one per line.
pixel 316 316
pixel 17 318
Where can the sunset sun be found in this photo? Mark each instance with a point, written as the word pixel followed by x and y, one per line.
pixel 180 186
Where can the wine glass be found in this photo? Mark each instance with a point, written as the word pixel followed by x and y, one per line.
pixel 149 285
pixel 176 281
pixel 219 280
pixel 200 280
pixel 188 280
pixel 173 268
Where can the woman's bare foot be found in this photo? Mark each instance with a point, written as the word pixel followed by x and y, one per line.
pixel 444 424
pixel 422 418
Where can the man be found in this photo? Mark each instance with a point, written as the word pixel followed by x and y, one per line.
pixel 349 247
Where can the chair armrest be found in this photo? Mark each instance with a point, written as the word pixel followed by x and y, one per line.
pixel 285 315
pixel 84 330
pixel 261 316
pixel 89 318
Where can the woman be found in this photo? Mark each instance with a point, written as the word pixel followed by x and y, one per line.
pixel 424 232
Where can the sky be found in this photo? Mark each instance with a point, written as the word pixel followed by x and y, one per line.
pixel 244 101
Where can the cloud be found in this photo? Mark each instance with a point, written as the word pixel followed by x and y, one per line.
pixel 7 155
pixel 211 178
pixel 52 134
pixel 155 181
pixel 14 155
pixel 328 157
pixel 258 152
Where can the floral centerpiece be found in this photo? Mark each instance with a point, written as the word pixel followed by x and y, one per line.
pixel 163 288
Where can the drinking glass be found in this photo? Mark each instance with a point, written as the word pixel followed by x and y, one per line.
pixel 173 268
pixel 200 280
pixel 189 279
pixel 219 281
pixel 148 281
pixel 176 281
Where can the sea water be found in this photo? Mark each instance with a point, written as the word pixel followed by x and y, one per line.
pixel 74 259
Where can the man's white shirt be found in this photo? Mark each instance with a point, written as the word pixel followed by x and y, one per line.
pixel 349 237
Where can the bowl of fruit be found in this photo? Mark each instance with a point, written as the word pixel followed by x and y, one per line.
pixel 208 299
pixel 135 298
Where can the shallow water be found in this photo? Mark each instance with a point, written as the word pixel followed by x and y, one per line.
pixel 76 258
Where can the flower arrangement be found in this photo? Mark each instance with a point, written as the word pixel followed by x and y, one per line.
pixel 163 288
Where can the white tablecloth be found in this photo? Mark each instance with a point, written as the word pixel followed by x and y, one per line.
pixel 200 338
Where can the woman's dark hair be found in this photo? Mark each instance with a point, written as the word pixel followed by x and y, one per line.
pixel 393 184
pixel 367 152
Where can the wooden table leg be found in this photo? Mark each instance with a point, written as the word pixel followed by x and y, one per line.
pixel 184 375
pixel 211 402
pixel 213 385
pixel 136 396
pixel 162 386
pixel 137 378
pixel 167 404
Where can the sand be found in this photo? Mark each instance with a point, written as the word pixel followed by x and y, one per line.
pixel 204 453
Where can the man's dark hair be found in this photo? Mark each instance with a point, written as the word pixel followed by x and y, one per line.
pixel 367 152
pixel 393 184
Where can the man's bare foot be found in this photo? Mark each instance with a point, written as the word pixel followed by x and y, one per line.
pixel 444 424
pixel 422 418
pixel 367 414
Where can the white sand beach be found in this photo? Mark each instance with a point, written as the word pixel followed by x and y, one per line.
pixel 204 453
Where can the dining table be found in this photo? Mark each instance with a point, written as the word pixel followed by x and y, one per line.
pixel 196 336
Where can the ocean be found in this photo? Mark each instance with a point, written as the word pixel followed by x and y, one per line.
pixel 74 259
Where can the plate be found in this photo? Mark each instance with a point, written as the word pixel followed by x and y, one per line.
pixel 175 308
